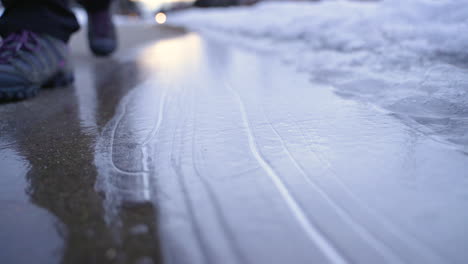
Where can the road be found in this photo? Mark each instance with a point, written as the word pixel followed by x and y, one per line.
pixel 185 149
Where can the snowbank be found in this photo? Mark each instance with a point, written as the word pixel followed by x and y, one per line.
pixel 407 57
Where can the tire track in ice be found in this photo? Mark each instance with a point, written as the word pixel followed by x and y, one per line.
pixel 312 231
pixel 373 241
pixel 145 173
pixel 154 132
pixel 408 240
pixel 106 166
pixel 121 112
pixel 231 240
pixel 176 165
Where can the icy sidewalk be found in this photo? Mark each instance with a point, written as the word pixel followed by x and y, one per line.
pixel 249 162
pixel 408 58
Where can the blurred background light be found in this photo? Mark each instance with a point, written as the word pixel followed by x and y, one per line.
pixel 160 18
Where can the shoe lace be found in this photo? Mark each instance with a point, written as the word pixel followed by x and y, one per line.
pixel 15 42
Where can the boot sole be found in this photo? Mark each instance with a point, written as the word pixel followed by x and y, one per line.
pixel 18 93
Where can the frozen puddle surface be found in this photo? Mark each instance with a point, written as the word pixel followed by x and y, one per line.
pixel 249 162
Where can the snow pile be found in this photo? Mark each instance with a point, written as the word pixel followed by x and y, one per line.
pixel 407 57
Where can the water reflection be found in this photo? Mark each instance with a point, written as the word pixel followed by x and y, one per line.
pixel 23 227
pixel 54 142
pixel 172 58
pixel 125 148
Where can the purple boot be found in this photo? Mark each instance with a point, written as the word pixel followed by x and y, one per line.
pixel 29 62
pixel 102 34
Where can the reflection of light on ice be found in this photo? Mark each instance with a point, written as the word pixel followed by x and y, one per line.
pixel 160 18
pixel 125 151
pixel 173 56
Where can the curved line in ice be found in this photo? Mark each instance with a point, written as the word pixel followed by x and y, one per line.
pixel 122 110
pixel 410 241
pixel 377 244
pixel 312 232
pixel 176 166
pixel 234 244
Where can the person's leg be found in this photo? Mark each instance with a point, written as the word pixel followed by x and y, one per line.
pixel 33 51
pixel 51 17
pixel 95 5
pixel 101 30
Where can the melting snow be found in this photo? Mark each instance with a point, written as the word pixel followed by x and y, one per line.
pixel 406 57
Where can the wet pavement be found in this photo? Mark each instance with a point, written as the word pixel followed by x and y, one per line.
pixel 188 149
pixel 51 212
